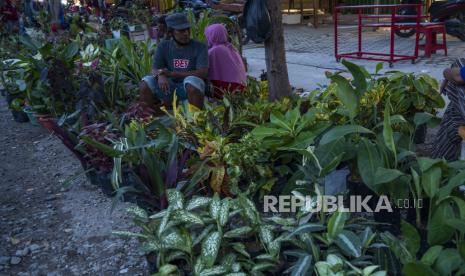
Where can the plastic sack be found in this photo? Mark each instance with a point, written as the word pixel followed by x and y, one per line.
pixel 257 20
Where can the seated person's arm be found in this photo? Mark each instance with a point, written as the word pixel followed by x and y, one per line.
pixel 200 73
pixel 201 65
pixel 455 74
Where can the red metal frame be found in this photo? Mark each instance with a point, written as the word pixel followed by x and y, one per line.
pixel 394 25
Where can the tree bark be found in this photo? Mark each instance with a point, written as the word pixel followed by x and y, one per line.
pixel 275 55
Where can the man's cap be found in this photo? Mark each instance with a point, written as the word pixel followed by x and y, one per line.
pixel 178 21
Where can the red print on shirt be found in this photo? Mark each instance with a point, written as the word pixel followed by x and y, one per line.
pixel 180 63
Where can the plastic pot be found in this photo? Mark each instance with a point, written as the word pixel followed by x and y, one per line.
pixel 20 116
pixel 32 115
pixel 116 33
pixel 132 28
pixel 46 122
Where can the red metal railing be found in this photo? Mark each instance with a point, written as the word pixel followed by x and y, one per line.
pixel 394 24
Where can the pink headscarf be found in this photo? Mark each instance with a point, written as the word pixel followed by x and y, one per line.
pixel 225 63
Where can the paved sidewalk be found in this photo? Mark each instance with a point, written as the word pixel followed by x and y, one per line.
pixel 310 52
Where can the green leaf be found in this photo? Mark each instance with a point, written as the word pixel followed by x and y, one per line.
pixel 164 222
pixel 260 267
pixel 217 270
pixel 266 234
pixel 368 161
pixel 306 228
pixel 166 270
pixel 175 199
pixel 137 212
pixel 457 224
pixel 448 261
pixel 431 255
pixel 197 202
pixel 105 149
pixel 215 207
pixel 379 67
pixel 210 248
pixel 349 243
pixel 453 183
pixel 426 163
pixel 127 234
pixel 417 269
pixel 224 212
pixel 262 132
pixel 347 94
pixel 336 224
pixel 277 119
pixel 384 175
pixel 431 180
pixel 387 130
pixel 438 231
pixel 186 217
pixel 411 237
pixel 338 132
pixel 359 76
pixel 323 268
pixel 461 248
pixel 238 232
pixel 422 118
pixel 303 266
pixel 175 240
pixel 240 248
pixel 70 51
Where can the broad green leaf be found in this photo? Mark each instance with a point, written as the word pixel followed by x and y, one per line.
pixel 240 248
pixel 387 130
pixel 335 261
pixel 224 212
pixel 457 224
pixel 277 119
pixel 384 175
pixel 431 180
pixel 186 217
pixel 137 212
pixel 323 268
pixel 262 132
pixel 349 243
pixel 359 76
pixel 198 202
pixel 210 248
pixel 339 132
pixel 166 270
pixel 448 261
pixel 461 249
pixel 175 199
pixel 303 266
pixel 70 51
pixel 164 221
pixel 238 232
pixel 422 118
pixel 261 267
pixel 347 94
pixel 368 161
pixel 217 270
pixel 175 240
pixel 411 237
pixel 417 269
pixel 306 228
pixel 336 224
pixel 215 206
pixel 266 234
pixel 426 163
pixel 454 182
pixel 379 67
pixel 206 231
pixel 248 209
pixel 431 255
pixel 369 270
pixel 438 231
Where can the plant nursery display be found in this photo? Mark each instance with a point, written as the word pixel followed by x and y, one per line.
pixel 199 181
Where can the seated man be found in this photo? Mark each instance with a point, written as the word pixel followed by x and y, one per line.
pixel 448 141
pixel 180 66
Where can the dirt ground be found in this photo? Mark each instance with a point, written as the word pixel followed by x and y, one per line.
pixel 46 229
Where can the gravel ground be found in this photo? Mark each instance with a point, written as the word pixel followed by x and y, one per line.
pixel 46 229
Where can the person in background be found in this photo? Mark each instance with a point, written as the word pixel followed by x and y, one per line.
pixel 448 141
pixel 180 66
pixel 162 33
pixel 9 16
pixel 226 68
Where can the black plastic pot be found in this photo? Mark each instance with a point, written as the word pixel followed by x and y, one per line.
pixel 420 134
pixel 19 116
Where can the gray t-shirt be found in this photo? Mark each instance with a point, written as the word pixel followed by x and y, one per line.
pixel 191 57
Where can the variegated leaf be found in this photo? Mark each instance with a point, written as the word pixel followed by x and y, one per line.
pixel 217 270
pixel 186 217
pixel 240 248
pixel 174 240
pixel 349 243
pixel 224 212
pixel 266 234
pixel 217 178
pixel 175 199
pixel 238 232
pixel 215 206
pixel 198 202
pixel 150 246
pixel 137 212
pixel 164 221
pixel 210 248
pixel 127 234
pixel 261 267
pixel 203 234
pixel 303 266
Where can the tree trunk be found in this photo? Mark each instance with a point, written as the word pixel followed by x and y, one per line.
pixel 275 55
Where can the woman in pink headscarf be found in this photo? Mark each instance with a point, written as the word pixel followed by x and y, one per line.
pixel 226 69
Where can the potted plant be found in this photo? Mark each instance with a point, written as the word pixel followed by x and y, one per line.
pixel 116 24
